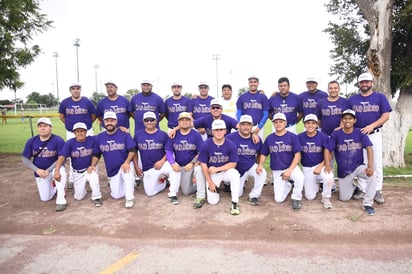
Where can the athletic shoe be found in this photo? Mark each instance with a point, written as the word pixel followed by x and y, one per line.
pixel 296 204
pixel 129 204
pixel 369 210
pixel 358 194
pixel 98 202
pixel 254 201
pixel 326 203
pixel 69 185
pixel 235 209
pixel 174 200
pixel 60 207
pixel 379 197
pixel 199 202
pixel 227 188
pixel 137 182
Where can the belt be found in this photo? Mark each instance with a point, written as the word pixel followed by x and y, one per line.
pixel 374 131
pixel 80 170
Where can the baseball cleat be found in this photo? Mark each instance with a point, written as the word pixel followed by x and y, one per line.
pixel 369 210
pixel 235 209
pixel 199 202
pixel 379 197
pixel 98 202
pixel 60 207
pixel 254 201
pixel 326 203
pixel 129 204
pixel 296 204
pixel 174 200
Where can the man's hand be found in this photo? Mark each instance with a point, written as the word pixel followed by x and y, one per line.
pixel 369 171
pixel 125 167
pixel 42 173
pixel 57 175
pixel 176 167
pixel 213 170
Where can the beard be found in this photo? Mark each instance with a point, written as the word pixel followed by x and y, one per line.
pixel 110 128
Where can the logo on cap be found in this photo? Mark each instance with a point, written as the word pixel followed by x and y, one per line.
pixel 44 120
pixel 218 124
pixel 365 77
pixel 246 119
pixel 149 114
pixel 310 117
pixel 279 116
pixel 79 125
pixel 350 112
pixel 109 115
pixel 184 115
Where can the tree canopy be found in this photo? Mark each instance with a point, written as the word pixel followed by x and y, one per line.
pixel 20 20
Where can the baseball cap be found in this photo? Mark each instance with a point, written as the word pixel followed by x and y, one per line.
pixel 44 120
pixel 310 117
pixel 184 115
pixel 253 77
pixel 176 84
pixel 311 79
pixel 149 114
pixel 110 82
pixel 147 82
pixel 279 116
pixel 246 119
pixel 215 102
pixel 75 84
pixel 109 115
pixel 218 124
pixel 365 77
pixel 349 111
pixel 79 125
pixel 203 84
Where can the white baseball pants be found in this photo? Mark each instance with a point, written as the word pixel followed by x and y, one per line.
pixel 230 175
pixel 47 190
pixel 259 180
pixel 282 188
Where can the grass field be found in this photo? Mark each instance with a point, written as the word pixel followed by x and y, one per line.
pixel 15 133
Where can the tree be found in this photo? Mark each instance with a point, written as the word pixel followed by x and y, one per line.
pixel 20 20
pixel 96 97
pixel 385 55
pixel 188 95
pixel 241 91
pixel 130 93
pixel 49 100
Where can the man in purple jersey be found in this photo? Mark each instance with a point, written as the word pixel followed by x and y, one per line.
pixel 310 98
pixel 182 154
pixel 255 104
pixel 329 110
pixel 151 143
pixel 116 103
pixel 76 109
pixel 286 102
pixel 80 151
pixel 218 158
pixel 313 144
pixel 199 105
pixel 146 101
pixel 118 150
pixel 175 105
pixel 40 154
pixel 248 151
pixel 284 149
pixel 348 144
pixel 372 111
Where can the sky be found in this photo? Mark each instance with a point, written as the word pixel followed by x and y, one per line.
pixel 166 41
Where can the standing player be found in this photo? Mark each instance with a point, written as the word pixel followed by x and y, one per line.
pixel 248 151
pixel 313 144
pixel 348 144
pixel 286 102
pixel 284 149
pixel 151 143
pixel 40 154
pixel 182 154
pixel 116 103
pixel 175 105
pixel 372 111
pixel 80 151
pixel 310 98
pixel 254 104
pixel 218 158
pixel 118 150
pixel 228 102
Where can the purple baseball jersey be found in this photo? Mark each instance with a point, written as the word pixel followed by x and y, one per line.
pixel 348 150
pixel 288 105
pixel 247 151
pixel 199 107
pixel 282 149
pixel 80 153
pixel 207 120
pixel 174 108
pixel 120 106
pixel 152 147
pixel 310 100
pixel 214 155
pixel 114 148
pixel 141 103
pixel 370 108
pixel 43 156
pixel 77 111
pixel 330 113
pixel 312 148
pixel 253 104
pixel 185 147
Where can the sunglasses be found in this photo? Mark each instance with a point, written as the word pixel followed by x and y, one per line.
pixel 147 120
pixel 203 87
pixel 215 107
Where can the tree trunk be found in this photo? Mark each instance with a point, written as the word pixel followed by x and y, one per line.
pixel 378 13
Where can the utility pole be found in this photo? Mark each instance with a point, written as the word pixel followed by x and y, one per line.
pixel 55 55
pixel 216 57
pixel 77 45
pixel 95 75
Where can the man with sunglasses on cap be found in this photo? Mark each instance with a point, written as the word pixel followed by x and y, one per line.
pixel 80 152
pixel 40 154
pixel 218 157
pixel 175 105
pixel 151 143
pixel 118 150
